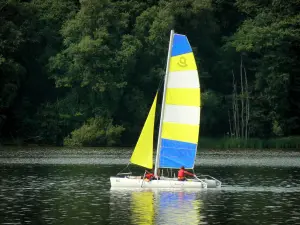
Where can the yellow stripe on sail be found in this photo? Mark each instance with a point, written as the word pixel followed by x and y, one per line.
pixel 183 62
pixel 183 96
pixel 143 151
pixel 180 132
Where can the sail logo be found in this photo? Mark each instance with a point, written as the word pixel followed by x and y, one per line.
pixel 182 62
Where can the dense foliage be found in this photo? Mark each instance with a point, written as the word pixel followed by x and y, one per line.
pixel 85 72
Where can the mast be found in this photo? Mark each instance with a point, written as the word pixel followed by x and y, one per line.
pixel 163 103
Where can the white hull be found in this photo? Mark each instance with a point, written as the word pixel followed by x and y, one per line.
pixel 137 182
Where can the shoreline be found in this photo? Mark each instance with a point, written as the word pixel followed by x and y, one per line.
pixel 291 143
pixel 34 148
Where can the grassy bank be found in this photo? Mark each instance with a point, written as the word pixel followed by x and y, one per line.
pixel 251 143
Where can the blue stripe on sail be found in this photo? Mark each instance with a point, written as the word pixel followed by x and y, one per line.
pixel 174 154
pixel 181 45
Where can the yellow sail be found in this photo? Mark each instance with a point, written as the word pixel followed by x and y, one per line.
pixel 143 151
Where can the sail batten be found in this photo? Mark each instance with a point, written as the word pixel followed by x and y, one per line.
pixel 181 120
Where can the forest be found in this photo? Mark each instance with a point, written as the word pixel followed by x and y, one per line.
pixel 84 73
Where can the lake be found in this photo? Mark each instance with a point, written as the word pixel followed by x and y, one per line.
pixel 65 186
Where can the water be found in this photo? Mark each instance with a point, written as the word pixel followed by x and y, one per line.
pixel 48 186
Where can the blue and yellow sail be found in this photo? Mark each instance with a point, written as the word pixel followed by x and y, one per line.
pixel 181 117
pixel 180 124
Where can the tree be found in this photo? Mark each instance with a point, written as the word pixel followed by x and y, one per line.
pixel 268 35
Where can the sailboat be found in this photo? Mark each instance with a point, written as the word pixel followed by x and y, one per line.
pixel 178 129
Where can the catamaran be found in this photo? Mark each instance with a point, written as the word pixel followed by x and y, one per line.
pixel 178 129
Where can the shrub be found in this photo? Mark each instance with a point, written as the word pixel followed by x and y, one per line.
pixel 96 131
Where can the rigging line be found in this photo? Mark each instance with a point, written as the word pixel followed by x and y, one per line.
pixel 195 173
pixel 161 79
pixel 143 179
pixel 160 83
pixel 127 166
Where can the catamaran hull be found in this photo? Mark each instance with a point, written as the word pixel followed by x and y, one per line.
pixel 123 182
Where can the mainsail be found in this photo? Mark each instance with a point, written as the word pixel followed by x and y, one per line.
pixel 143 151
pixel 181 116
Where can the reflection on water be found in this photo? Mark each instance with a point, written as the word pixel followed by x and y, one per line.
pixel 142 208
pixel 156 206
pixel 179 207
pixel 230 205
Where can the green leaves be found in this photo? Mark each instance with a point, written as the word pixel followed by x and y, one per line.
pixel 105 59
pixel 16 34
pixel 269 33
pixel 91 40
pixel 96 132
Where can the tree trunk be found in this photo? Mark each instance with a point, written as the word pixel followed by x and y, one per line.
pixel 247 104
pixel 242 100
pixel 234 111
